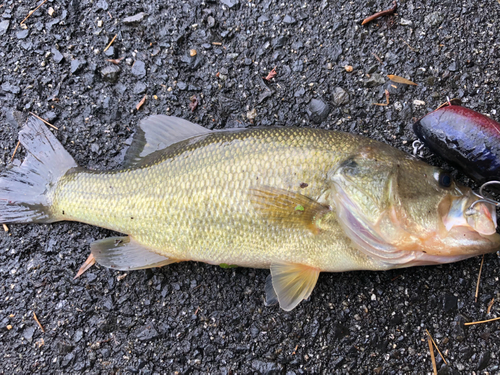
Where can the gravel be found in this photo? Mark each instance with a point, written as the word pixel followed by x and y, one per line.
pixel 197 318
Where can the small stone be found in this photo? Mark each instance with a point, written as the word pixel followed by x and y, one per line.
pixel 181 85
pixel 418 102
pixel 4 26
pixel 457 331
pixel 147 333
pixel 102 4
pixel 94 147
pixel 140 88
pixel 252 114
pixel 348 68
pixel 210 22
pixel 433 19
pixel 450 302
pixel 6 86
pixel 484 361
pixel 110 52
pixel 76 65
pixel 22 34
pixel 230 3
pixel 134 19
pixel 192 52
pixel 453 67
pixel 50 11
pixel 139 69
pixel 99 23
pixel 391 58
pixel 262 367
pixel 289 20
pixel 374 80
pixel 340 96
pixel 56 55
pixel 110 73
pixel 318 111
pixel 28 333
pixel 405 22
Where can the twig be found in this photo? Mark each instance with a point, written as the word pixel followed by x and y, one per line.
pixel 110 43
pixel 410 47
pixel 15 150
pixel 490 305
pixel 33 11
pixel 444 360
pixel 217 43
pixel 376 56
pixel 139 105
pixel 36 320
pixel 386 99
pixel 5 227
pixel 481 322
pixel 295 350
pixel 478 279
pixel 271 74
pixel 41 119
pixel 380 14
pixel 433 359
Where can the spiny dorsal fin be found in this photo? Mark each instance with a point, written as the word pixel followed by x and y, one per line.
pixel 287 207
pixel 122 253
pixel 292 283
pixel 158 132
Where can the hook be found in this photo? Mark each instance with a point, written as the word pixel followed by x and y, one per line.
pixel 482 198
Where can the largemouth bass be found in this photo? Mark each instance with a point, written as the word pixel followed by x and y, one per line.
pixel 298 201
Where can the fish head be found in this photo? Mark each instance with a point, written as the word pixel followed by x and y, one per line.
pixel 403 212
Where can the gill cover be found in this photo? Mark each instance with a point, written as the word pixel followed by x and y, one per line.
pixel 365 197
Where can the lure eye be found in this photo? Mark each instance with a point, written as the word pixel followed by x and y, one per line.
pixel 445 179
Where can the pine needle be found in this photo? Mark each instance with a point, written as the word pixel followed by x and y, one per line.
pixel 38 322
pixel 478 279
pixel 481 322
pixel 444 360
pixel 431 349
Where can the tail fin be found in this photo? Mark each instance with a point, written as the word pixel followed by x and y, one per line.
pixel 25 190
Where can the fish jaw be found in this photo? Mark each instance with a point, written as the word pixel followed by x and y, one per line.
pixel 393 241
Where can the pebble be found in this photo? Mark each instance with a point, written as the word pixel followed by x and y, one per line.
pixel 433 19
pixel 76 65
pixel 210 22
pixel 56 55
pixel 404 22
pixel 450 302
pixel 110 73
pixel 318 111
pixel 147 333
pixel 484 361
pixel 340 96
pixel 140 88
pixel 134 19
pixel 6 86
pixel 181 85
pixel 230 3
pixel 4 26
pixel 267 367
pixel 22 34
pixel 139 69
pixel 374 80
pixel 289 20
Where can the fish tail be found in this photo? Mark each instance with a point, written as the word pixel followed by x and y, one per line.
pixel 26 190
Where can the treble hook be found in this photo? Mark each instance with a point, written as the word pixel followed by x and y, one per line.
pixel 481 196
pixel 417 146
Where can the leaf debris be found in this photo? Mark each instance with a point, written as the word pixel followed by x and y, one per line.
pixel 401 80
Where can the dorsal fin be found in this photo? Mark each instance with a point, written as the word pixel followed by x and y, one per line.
pixel 158 132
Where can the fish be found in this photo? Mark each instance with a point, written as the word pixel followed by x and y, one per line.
pixel 297 201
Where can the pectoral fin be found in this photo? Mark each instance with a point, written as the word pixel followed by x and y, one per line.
pixel 122 253
pixel 291 283
pixel 287 207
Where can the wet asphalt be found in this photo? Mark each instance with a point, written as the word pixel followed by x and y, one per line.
pixel 194 318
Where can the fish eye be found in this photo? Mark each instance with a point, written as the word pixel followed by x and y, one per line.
pixel 445 180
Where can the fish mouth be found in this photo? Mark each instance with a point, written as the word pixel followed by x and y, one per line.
pixel 462 234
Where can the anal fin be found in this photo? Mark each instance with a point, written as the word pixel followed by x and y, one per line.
pixel 292 283
pixel 122 253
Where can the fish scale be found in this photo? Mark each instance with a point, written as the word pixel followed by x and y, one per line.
pixel 191 202
pixel 295 200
